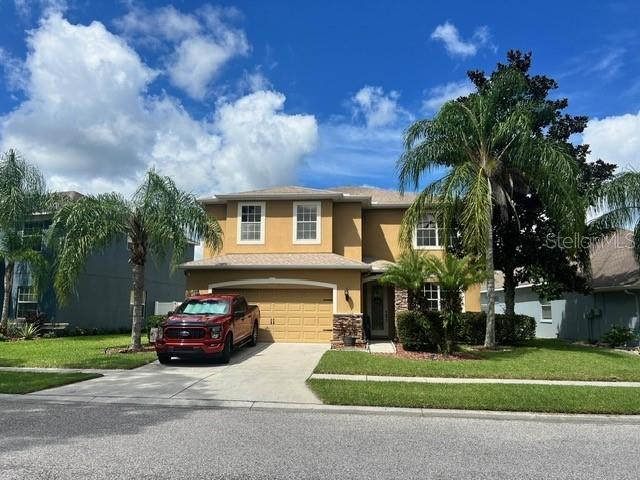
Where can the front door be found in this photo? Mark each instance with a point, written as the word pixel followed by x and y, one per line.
pixel 378 309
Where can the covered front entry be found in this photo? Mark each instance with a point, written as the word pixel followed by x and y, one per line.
pixel 291 314
pixel 379 309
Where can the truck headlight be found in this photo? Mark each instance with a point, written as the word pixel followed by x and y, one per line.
pixel 215 331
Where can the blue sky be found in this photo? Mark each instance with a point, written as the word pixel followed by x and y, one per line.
pixel 235 95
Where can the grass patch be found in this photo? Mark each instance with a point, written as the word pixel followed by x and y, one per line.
pixel 516 398
pixel 27 382
pixel 72 352
pixel 539 359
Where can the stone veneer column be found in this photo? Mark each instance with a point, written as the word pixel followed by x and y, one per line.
pixel 348 324
pixel 401 304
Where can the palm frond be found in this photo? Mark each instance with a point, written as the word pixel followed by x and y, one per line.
pixel 79 229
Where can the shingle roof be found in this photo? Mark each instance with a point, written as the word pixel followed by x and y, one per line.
pixel 369 196
pixel 378 195
pixel 231 261
pixel 613 263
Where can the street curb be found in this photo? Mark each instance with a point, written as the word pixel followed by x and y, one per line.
pixel 321 408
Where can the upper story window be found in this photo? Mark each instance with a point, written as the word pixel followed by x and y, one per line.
pixel 33 233
pixel 426 234
pixel 306 222
pixel 251 222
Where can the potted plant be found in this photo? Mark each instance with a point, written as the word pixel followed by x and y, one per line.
pixel 349 338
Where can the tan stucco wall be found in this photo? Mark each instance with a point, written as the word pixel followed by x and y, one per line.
pixel 380 231
pixel 472 299
pixel 344 279
pixel 347 230
pixel 278 230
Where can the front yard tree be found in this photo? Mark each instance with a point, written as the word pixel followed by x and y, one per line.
pixel 486 154
pixel 22 195
pixel 526 247
pixel 454 275
pixel 407 274
pixel 158 219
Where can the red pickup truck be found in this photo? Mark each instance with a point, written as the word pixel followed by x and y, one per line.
pixel 208 325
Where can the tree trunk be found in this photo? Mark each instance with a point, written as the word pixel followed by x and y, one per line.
pixel 6 300
pixel 509 293
pixel 138 306
pixel 490 333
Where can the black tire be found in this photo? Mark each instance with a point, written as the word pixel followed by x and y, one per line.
pixel 254 336
pixel 225 356
pixel 164 359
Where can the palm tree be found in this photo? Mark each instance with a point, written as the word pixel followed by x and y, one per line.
pixel 454 276
pixel 22 195
pixel 158 219
pixel 619 204
pixel 407 274
pixel 486 154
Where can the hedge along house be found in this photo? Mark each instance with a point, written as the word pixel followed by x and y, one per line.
pixel 615 297
pixel 311 260
pixel 103 292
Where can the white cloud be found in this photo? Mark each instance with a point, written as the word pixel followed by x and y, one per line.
pixel 91 125
pixel 377 107
pixel 201 43
pixel 615 139
pixel 440 94
pixel 448 34
pixel 25 8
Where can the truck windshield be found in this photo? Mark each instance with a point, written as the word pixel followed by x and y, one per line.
pixel 204 307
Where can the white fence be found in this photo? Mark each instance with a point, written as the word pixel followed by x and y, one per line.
pixel 162 308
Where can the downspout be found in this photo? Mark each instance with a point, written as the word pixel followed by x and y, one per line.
pixel 635 295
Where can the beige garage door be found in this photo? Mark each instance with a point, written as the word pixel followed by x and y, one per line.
pixel 292 315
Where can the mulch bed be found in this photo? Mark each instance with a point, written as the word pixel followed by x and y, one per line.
pixel 402 353
pixel 116 351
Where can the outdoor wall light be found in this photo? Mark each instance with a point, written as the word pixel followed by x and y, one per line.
pixel 346 294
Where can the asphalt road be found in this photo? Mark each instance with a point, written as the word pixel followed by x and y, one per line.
pixel 48 441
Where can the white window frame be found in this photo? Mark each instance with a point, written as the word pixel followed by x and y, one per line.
pixel 263 209
pixel 307 241
pixel 33 300
pixel 439 295
pixel 437 246
pixel 543 305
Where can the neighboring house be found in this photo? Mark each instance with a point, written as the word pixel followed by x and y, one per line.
pixel 615 300
pixel 311 259
pixel 103 292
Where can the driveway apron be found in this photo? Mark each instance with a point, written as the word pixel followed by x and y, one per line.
pixel 269 372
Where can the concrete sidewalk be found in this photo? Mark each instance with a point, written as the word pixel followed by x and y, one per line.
pixel 508 381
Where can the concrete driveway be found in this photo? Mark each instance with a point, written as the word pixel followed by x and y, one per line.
pixel 269 372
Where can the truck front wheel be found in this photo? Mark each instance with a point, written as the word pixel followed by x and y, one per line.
pixel 228 347
pixel 164 359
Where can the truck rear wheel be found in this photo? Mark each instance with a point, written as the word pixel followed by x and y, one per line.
pixel 254 336
pixel 228 347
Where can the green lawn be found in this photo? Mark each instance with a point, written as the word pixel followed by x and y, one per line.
pixel 72 352
pixel 520 398
pixel 540 359
pixel 27 382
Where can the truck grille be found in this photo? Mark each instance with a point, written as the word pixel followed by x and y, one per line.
pixel 185 333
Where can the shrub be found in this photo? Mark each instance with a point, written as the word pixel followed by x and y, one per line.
pixel 27 331
pixel 153 321
pixel 420 330
pixel 510 330
pixel 619 335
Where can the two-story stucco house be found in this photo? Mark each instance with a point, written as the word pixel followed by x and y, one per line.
pixel 311 259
